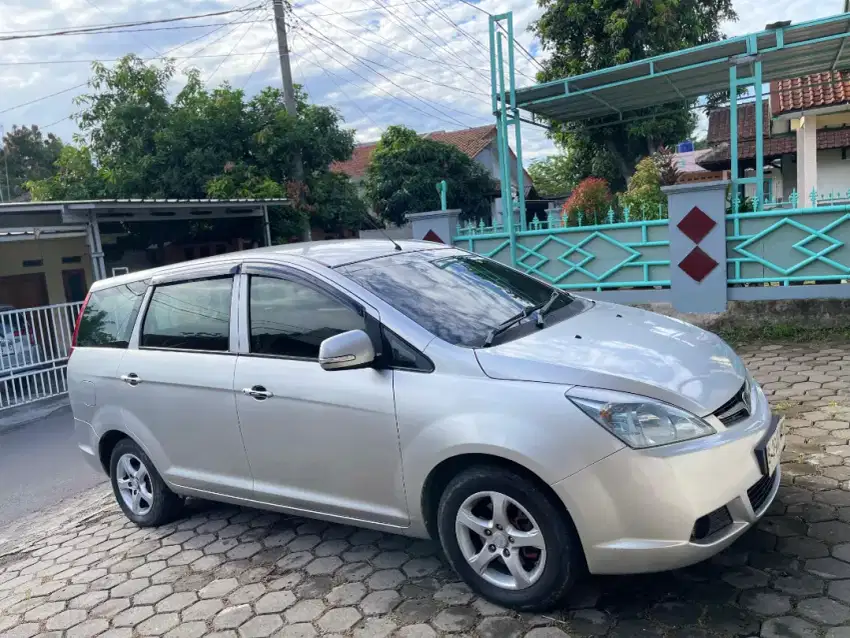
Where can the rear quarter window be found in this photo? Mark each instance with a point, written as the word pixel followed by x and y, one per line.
pixel 110 315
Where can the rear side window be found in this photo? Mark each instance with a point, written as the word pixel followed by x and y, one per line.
pixel 110 315
pixel 193 315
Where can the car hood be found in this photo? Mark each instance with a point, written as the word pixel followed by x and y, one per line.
pixel 626 349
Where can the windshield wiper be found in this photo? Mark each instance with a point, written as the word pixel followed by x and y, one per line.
pixel 542 310
pixel 508 324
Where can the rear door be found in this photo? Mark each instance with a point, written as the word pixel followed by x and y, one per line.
pixel 177 384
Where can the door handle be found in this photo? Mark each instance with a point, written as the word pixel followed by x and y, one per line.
pixel 258 392
pixel 131 379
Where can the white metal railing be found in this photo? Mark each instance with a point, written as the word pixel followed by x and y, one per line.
pixel 34 348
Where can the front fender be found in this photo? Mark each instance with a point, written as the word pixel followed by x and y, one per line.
pixel 530 424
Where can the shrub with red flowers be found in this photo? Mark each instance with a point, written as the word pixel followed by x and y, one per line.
pixel 592 198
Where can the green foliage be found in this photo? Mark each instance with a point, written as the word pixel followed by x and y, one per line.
pixel 405 168
pixel 203 143
pixel 26 154
pixel 75 177
pixel 588 35
pixel 553 176
pixel 589 202
pixel 644 197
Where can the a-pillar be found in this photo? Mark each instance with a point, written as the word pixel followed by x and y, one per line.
pixel 437 225
pixel 807 160
pixel 697 213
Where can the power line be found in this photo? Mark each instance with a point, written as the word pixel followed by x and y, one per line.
pixel 78 86
pixel 170 57
pixel 259 62
pixel 395 84
pixel 143 30
pixel 430 42
pixel 415 77
pixel 91 2
pixel 338 85
pixel 516 42
pixel 383 90
pixel 227 57
pixel 33 33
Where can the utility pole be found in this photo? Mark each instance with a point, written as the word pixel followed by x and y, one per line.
pixel 291 106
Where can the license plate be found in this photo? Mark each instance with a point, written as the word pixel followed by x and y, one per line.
pixel 769 452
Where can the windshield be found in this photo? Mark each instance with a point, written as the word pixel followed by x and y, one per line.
pixel 457 296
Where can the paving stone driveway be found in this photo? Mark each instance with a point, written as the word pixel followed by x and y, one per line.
pixel 82 570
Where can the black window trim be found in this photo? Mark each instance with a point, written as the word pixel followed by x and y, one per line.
pixel 172 281
pixel 389 366
pixel 279 271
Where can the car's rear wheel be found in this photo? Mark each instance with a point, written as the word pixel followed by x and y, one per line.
pixel 139 489
pixel 507 538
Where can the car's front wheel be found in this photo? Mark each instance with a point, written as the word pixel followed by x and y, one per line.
pixel 139 489
pixel 503 534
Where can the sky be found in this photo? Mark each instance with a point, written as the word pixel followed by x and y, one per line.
pixel 420 63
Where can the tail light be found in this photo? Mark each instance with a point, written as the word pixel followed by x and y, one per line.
pixel 77 325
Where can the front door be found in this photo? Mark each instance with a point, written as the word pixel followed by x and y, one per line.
pixel 317 441
pixel 177 390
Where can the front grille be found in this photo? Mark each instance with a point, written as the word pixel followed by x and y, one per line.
pixel 708 525
pixel 736 409
pixel 759 492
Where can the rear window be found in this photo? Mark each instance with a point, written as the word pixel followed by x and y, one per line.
pixel 110 315
pixel 193 315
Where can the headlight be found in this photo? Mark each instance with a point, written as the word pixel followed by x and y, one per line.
pixel 639 422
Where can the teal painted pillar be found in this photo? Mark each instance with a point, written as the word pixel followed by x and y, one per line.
pixel 441 189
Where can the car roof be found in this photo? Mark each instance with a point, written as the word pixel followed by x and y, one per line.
pixel 329 253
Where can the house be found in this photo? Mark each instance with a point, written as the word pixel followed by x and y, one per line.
pixel 478 143
pixel 806 139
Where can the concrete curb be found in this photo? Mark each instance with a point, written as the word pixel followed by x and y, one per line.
pixel 24 415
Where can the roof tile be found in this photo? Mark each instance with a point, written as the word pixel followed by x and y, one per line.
pixel 471 141
pixel 818 90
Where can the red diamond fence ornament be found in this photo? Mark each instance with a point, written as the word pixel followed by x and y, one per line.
pixel 698 264
pixel 432 236
pixel 696 225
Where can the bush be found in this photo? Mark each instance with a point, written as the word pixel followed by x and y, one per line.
pixel 644 197
pixel 592 198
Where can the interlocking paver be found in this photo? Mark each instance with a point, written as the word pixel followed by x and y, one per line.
pixel 226 572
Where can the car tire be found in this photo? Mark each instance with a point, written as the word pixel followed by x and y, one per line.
pixel 526 507
pixel 139 489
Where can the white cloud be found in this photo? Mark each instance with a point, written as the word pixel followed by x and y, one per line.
pixel 407 63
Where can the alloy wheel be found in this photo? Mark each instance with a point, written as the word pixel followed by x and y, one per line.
pixel 500 540
pixel 134 484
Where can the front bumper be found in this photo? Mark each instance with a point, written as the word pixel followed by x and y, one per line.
pixel 636 510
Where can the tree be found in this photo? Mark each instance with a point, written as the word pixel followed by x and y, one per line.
pixel 644 197
pixel 136 142
pixel 553 176
pixel 406 167
pixel 589 202
pixel 589 35
pixel 27 155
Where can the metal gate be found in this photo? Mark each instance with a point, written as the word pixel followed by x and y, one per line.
pixel 34 347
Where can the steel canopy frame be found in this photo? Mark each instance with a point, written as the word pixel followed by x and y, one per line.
pixel 619 92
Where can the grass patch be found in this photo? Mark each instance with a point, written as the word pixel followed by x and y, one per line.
pixel 782 332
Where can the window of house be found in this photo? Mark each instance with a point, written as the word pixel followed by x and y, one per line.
pixel 193 315
pixel 767 195
pixel 110 315
pixel 291 319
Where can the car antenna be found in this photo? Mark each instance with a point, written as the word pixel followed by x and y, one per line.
pixel 382 231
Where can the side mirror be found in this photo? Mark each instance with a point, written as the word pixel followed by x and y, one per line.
pixel 352 349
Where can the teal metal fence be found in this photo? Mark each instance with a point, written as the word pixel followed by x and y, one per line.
pixel 788 246
pixel 595 256
pixel 776 246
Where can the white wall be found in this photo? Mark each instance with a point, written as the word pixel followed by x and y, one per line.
pixel 833 173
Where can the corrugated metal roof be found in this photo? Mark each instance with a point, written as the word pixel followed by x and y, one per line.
pixel 111 204
pixel 806 48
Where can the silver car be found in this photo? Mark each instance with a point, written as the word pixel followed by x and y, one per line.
pixel 419 389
